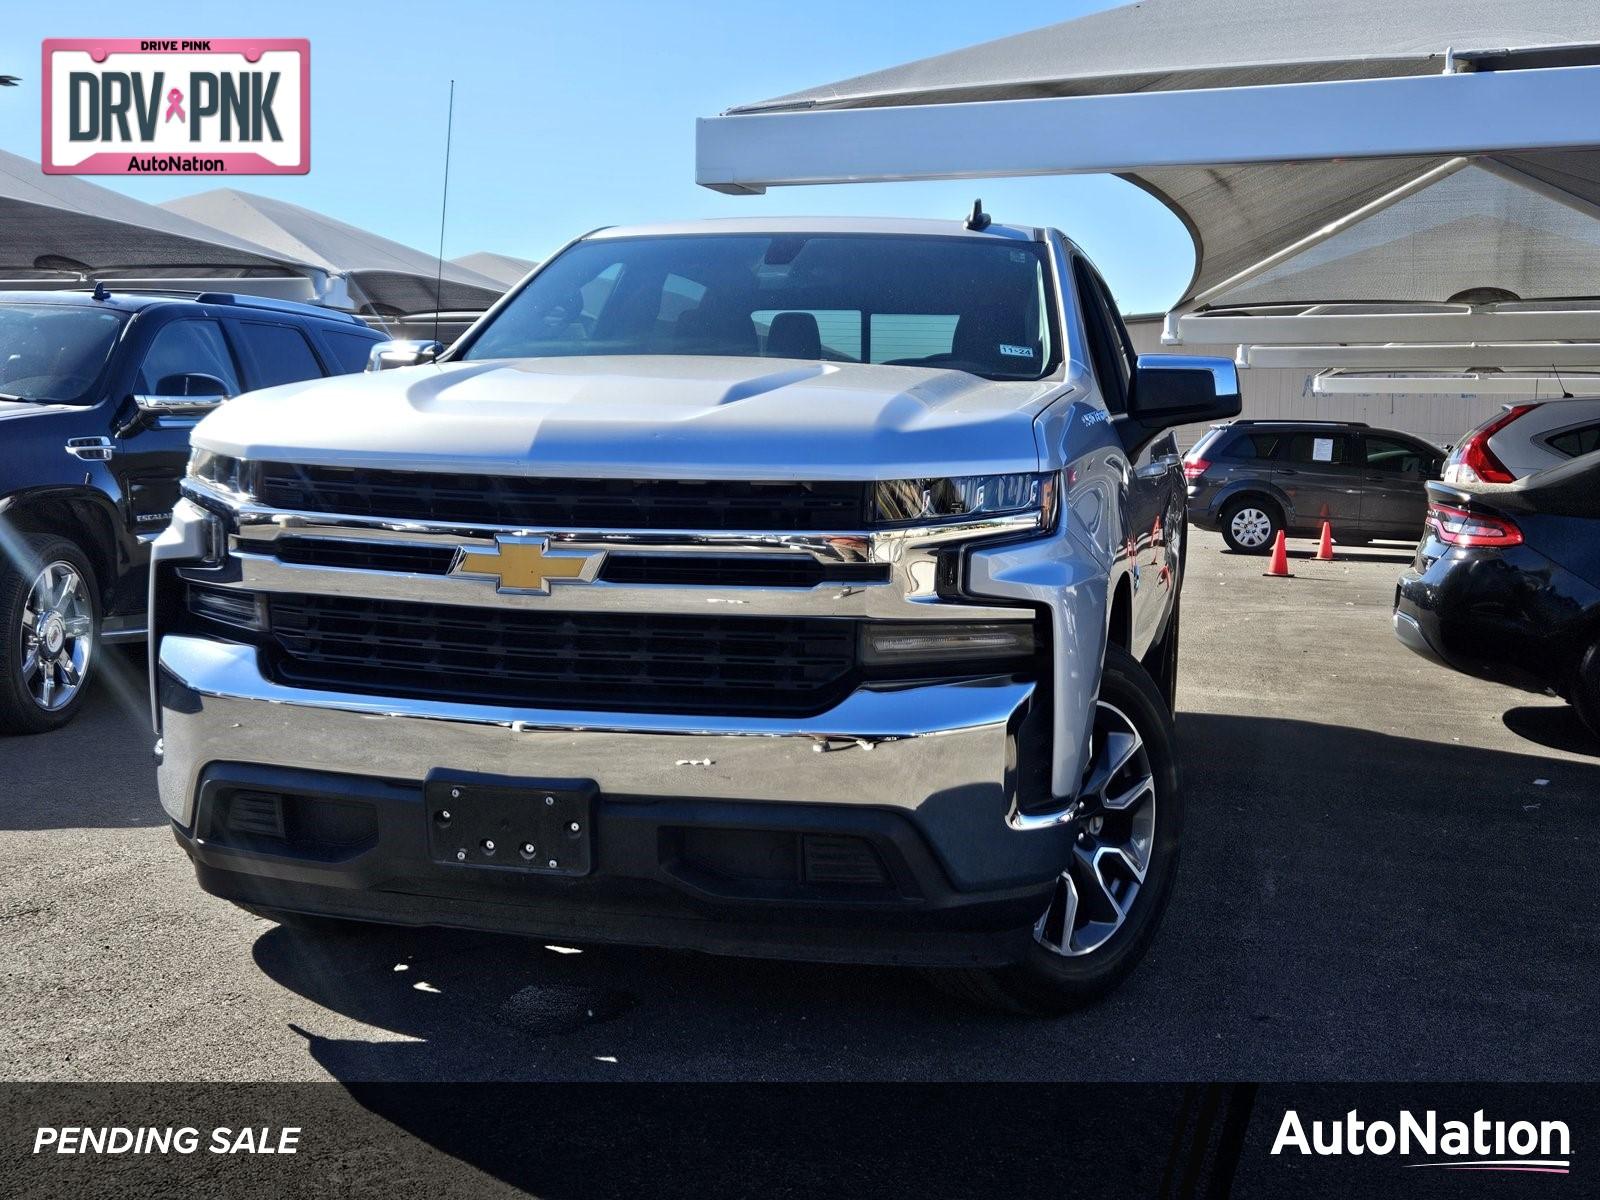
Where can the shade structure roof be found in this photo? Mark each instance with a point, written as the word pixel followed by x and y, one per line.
pixel 60 223
pixel 1240 212
pixel 1470 231
pixel 391 278
pixel 1173 44
pixel 502 268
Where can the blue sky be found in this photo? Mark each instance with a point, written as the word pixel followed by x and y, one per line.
pixel 572 115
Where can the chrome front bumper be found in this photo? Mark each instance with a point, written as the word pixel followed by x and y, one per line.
pixel 937 751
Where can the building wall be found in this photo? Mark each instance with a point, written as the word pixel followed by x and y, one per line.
pixel 1281 393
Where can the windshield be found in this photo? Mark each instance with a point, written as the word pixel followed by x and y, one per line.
pixel 53 353
pixel 970 304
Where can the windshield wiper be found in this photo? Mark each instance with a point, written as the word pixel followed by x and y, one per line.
pixel 27 399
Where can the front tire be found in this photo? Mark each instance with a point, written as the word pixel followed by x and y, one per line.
pixel 1586 689
pixel 49 632
pixel 1111 895
pixel 1250 525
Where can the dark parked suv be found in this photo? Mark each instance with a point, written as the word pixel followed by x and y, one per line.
pixel 1249 479
pixel 98 393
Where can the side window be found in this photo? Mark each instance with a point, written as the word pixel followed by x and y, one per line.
pixel 907 337
pixel 1574 442
pixel 678 296
pixel 1119 329
pixel 838 333
pixel 276 354
pixel 350 351
pixel 1320 448
pixel 1394 456
pixel 1252 446
pixel 598 290
pixel 186 347
pixel 1109 362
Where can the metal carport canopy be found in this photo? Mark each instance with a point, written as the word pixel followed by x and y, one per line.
pixel 387 276
pixel 55 224
pixel 1265 125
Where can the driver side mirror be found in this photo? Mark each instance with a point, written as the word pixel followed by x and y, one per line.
pixel 1169 390
pixel 406 352
pixel 186 393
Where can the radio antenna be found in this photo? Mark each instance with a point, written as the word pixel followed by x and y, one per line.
pixel 444 204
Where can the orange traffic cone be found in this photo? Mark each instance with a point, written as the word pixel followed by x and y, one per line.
pixel 1325 549
pixel 1280 559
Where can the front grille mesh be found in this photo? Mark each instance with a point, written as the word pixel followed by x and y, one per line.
pixel 618 662
pixel 366 556
pixel 518 503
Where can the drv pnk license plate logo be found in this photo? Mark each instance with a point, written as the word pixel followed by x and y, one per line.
pixel 208 106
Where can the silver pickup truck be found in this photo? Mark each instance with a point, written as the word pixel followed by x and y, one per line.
pixel 792 587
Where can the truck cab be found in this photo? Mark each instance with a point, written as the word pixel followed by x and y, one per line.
pixel 799 587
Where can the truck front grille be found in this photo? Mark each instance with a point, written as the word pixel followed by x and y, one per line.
pixel 516 503
pixel 631 662
pixel 682 570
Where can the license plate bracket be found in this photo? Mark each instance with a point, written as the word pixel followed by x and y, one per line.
pixel 537 827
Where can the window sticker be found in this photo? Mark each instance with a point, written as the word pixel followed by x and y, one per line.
pixel 1322 450
pixel 1011 351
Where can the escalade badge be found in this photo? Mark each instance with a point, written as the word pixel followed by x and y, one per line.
pixel 526 565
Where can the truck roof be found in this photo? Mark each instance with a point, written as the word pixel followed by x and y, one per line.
pixel 784 225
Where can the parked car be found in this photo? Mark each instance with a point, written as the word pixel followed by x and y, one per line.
pixel 1523 439
pixel 805 588
pixel 1506 583
pixel 1250 479
pixel 98 394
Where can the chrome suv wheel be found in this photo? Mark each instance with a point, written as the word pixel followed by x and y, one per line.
pixel 1250 526
pixel 49 605
pixel 57 629
pixel 1120 863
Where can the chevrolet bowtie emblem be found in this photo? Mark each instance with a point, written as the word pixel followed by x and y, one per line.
pixel 525 565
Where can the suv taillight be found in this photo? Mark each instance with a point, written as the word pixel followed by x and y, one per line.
pixel 1458 527
pixel 1193 468
pixel 1474 462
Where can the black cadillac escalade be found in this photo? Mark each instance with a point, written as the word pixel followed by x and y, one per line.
pixel 98 393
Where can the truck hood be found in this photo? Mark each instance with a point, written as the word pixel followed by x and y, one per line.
pixel 655 417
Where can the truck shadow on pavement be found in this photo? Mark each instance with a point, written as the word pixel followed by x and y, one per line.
pixel 1352 905
pixel 492 1007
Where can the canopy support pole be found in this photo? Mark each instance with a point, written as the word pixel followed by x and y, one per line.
pixel 1542 187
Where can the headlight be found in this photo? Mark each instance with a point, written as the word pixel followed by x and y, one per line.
pixel 967 497
pixel 221 471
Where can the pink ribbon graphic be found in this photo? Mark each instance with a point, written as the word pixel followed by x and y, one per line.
pixel 175 105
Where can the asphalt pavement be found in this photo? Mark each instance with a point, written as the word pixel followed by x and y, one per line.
pixel 1389 873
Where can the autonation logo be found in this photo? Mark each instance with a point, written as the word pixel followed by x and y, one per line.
pixel 1476 1145
pixel 177 106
